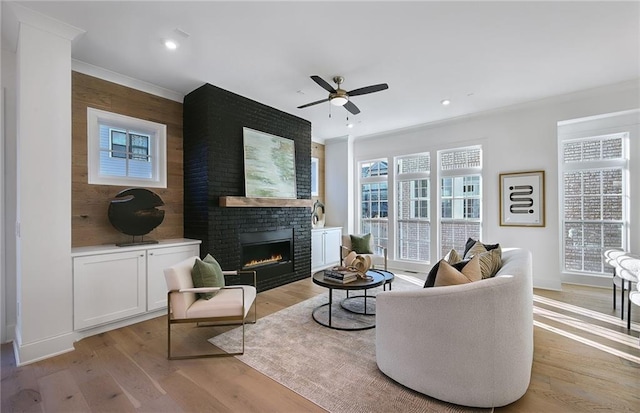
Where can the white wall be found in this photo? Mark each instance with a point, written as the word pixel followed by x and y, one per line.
pixel 519 138
pixel 8 261
pixel 338 183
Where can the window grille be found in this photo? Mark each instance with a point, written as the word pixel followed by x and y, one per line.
pixel 594 189
pixel 413 207
pixel 460 197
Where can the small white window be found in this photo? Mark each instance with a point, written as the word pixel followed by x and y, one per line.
pixel 314 177
pixel 125 151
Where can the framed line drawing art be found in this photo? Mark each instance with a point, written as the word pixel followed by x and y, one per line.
pixel 522 199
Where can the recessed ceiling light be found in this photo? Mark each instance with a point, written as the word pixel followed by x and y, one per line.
pixel 349 125
pixel 170 44
pixel 446 102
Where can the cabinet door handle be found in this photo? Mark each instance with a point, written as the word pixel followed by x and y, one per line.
pixel 142 255
pixel 151 253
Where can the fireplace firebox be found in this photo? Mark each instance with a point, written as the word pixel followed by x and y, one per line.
pixel 269 253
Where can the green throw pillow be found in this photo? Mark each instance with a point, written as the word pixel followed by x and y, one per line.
pixel 361 244
pixel 207 273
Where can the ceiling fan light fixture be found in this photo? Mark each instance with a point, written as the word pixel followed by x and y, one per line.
pixel 339 100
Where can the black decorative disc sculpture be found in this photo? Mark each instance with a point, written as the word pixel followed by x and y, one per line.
pixel 133 212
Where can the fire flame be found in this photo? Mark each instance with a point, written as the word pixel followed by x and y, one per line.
pixel 255 263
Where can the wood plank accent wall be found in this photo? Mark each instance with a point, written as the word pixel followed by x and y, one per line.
pixel 90 224
pixel 317 151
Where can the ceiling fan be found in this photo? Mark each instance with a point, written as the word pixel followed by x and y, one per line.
pixel 340 97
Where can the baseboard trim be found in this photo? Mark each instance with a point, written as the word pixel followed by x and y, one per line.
pixel 54 346
pixel 43 349
pixel 547 283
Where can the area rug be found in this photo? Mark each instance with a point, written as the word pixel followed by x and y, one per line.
pixel 335 369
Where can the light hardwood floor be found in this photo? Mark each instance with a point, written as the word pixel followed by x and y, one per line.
pixel 126 370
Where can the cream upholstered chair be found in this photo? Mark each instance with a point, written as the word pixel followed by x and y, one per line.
pixel 610 257
pixel 378 255
pixel 629 266
pixel 229 306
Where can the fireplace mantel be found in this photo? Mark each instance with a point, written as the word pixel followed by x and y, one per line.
pixel 242 201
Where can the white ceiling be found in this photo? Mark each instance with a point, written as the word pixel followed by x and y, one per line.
pixel 481 55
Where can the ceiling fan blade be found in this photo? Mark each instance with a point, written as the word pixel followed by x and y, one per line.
pixel 320 81
pixel 351 108
pixel 368 89
pixel 312 103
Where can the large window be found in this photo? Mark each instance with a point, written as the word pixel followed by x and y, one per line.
pixel 424 206
pixel 460 197
pixel 413 194
pixel 594 190
pixel 374 200
pixel 125 151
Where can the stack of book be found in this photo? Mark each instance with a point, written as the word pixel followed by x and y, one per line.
pixel 340 275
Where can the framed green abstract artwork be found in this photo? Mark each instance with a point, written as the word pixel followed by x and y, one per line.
pixel 269 165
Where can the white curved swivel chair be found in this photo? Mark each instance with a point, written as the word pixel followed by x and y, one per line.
pixel 610 257
pixel 629 266
pixel 468 344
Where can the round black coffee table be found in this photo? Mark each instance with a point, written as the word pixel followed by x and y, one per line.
pixel 362 304
pixel 361 323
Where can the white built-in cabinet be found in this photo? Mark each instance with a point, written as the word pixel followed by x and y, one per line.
pixel 325 247
pixel 111 283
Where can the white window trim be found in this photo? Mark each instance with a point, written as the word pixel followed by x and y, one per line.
pixel 158 151
pixel 624 121
pixel 371 180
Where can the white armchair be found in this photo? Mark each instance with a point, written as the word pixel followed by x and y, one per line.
pixel 378 256
pixel 229 306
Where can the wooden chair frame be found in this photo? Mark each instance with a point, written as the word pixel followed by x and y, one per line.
pixel 218 321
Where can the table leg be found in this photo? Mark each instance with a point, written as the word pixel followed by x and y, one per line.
pixel 365 302
pixel 330 304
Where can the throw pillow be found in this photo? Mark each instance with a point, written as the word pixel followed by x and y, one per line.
pixel 473 271
pixel 361 244
pixel 207 273
pixel 490 262
pixel 449 275
pixel 490 259
pixel 472 242
pixel 453 257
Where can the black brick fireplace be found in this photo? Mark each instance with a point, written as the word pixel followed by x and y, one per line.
pixel 214 167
